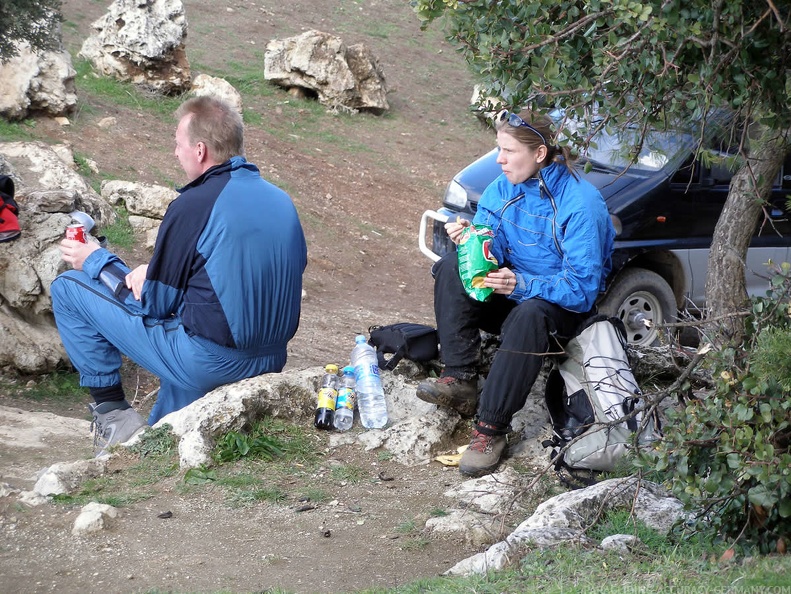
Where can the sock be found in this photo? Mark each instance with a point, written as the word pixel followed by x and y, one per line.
pixel 109 394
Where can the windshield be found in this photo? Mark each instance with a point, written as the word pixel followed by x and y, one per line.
pixel 658 149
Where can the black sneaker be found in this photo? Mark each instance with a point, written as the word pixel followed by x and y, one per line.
pixel 114 423
pixel 460 395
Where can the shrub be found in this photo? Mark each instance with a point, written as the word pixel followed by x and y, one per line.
pixel 726 454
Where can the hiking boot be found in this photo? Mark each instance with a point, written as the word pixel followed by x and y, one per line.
pixel 484 452
pixel 460 395
pixel 114 423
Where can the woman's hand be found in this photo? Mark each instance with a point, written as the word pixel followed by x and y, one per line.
pixel 135 280
pixel 76 252
pixel 503 281
pixel 454 229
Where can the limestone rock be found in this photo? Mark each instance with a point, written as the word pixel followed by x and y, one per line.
pixel 48 189
pixel 231 407
pixel 489 494
pixel 94 517
pixel 475 528
pixel 415 433
pixel 622 543
pixel 142 42
pixel 7 490
pixel 564 518
pixel 37 83
pixel 64 477
pixel 341 76
pixel 39 167
pixel 217 87
pixel 145 200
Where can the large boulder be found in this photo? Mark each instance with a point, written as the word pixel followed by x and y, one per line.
pixel 341 76
pixel 146 204
pixel 142 42
pixel 47 190
pixel 213 86
pixel 564 519
pixel 415 433
pixel 37 83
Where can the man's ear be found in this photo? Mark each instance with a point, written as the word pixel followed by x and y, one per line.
pixel 200 148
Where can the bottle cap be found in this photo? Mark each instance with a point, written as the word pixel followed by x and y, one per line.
pixel 331 368
pixel 348 369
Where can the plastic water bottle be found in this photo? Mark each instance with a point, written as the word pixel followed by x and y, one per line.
pixel 370 395
pixel 325 407
pixel 344 405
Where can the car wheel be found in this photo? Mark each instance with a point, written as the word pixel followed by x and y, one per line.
pixel 638 296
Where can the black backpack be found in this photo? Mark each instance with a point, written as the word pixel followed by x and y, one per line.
pixel 416 342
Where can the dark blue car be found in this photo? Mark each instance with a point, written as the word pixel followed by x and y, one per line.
pixel 664 207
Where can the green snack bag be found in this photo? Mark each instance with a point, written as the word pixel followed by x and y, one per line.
pixel 476 260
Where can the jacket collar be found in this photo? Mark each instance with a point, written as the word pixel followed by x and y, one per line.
pixel 231 164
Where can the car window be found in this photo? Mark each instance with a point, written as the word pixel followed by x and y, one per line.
pixel 659 149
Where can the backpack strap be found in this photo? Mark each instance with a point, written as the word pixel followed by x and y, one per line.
pixel 390 364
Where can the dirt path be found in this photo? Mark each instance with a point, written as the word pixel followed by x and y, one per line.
pixel 366 533
pixel 360 184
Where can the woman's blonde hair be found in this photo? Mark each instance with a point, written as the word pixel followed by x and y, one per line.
pixel 534 129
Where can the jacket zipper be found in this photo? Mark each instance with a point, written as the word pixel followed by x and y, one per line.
pixel 542 187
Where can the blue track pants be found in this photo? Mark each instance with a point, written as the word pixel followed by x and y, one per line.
pixel 96 328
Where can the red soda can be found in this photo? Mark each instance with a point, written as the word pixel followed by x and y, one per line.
pixel 76 232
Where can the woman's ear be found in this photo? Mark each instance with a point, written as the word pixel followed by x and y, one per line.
pixel 541 153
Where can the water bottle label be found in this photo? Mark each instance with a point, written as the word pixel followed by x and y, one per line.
pixel 326 398
pixel 374 368
pixel 345 399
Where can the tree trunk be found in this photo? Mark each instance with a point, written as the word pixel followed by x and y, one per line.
pixel 726 291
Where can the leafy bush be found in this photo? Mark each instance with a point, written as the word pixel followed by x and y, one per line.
pixel 726 454
pixel 235 446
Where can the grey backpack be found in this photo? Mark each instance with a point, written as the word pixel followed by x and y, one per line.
pixel 592 394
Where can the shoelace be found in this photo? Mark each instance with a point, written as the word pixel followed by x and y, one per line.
pixel 98 431
pixel 480 442
pixel 448 379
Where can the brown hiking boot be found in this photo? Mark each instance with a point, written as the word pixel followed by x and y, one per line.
pixel 460 395
pixel 483 454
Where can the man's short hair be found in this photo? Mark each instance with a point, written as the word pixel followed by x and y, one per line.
pixel 216 124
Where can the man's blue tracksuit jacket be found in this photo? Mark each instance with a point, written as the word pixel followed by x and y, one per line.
pixel 221 299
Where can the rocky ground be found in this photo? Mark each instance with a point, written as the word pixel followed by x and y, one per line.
pixel 360 183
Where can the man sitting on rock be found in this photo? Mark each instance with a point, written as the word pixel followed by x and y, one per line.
pixel 219 300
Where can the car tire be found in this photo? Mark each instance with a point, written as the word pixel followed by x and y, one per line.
pixel 638 295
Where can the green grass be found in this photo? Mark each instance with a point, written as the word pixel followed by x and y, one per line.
pixel 348 473
pixel 121 93
pixel 59 387
pixel 569 570
pixel 415 544
pixel 406 527
pixel 315 494
pixel 106 489
pixel 17 131
pixel 120 234
pixel 158 461
pixel 248 497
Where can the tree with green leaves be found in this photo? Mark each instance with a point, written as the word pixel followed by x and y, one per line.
pixel 33 21
pixel 648 64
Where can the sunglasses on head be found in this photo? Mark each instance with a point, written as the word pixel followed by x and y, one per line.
pixel 515 121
